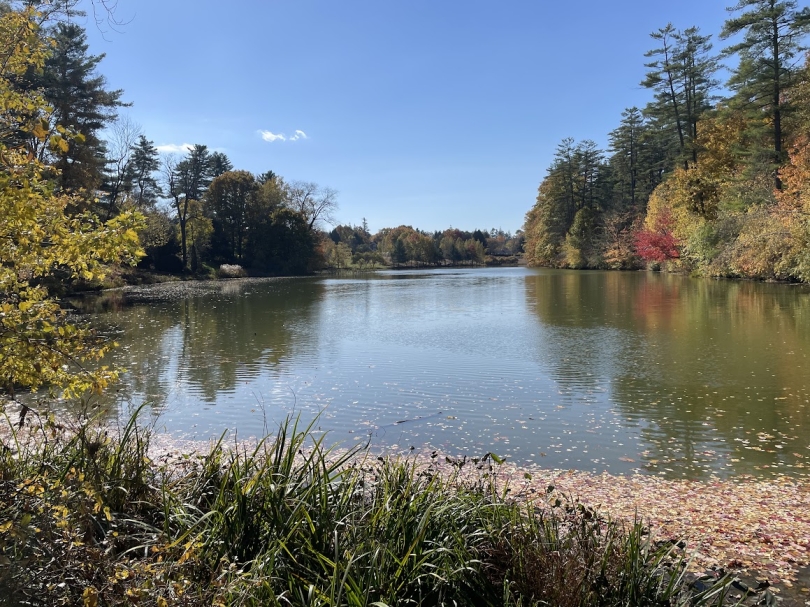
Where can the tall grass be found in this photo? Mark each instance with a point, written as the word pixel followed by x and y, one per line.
pixel 86 517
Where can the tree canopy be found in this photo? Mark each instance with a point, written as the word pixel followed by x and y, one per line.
pixel 40 240
pixel 694 181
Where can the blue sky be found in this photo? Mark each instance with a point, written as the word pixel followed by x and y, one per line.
pixel 430 113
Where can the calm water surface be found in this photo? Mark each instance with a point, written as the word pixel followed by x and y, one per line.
pixel 601 371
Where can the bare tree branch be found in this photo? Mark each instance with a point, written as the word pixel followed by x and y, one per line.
pixel 124 135
pixel 317 204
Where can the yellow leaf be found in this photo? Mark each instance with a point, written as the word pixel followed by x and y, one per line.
pixel 90 597
pixel 40 131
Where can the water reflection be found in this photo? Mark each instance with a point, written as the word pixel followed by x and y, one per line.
pixel 588 370
pixel 201 345
pixel 712 373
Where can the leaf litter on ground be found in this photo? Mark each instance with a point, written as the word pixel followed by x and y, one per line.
pixel 756 526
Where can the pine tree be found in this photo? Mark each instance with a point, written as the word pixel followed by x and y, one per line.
pixel 80 102
pixel 771 34
pixel 625 144
pixel 220 164
pixel 662 78
pixel 186 183
pixel 696 69
pixel 143 164
pixel 577 184
pixel 642 152
pixel 682 77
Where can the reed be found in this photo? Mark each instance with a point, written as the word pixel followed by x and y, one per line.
pixel 88 518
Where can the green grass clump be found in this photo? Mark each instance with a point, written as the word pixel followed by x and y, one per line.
pixel 87 518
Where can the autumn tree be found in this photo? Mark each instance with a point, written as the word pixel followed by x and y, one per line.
pixel 117 176
pixel 39 345
pixel 657 242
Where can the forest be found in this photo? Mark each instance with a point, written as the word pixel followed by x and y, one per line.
pixel 196 210
pixel 711 177
pixel 192 211
pixel 93 513
pixel 354 247
pixel 85 195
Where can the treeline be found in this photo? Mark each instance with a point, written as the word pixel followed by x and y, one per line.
pixel 698 182
pixel 199 211
pixel 354 246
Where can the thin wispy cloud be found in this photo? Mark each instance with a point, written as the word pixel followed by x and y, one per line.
pixel 269 136
pixel 174 148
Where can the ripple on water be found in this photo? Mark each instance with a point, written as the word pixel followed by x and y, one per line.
pixel 587 370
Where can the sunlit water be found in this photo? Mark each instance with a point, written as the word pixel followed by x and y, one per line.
pixel 600 371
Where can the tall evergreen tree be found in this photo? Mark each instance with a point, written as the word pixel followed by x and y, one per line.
pixel 696 70
pixel 576 186
pixel 771 41
pixel 625 143
pixel 681 75
pixel 266 176
pixel 220 164
pixel 81 102
pixel 662 78
pixel 143 164
pixel 642 151
pixel 195 172
pixel 186 182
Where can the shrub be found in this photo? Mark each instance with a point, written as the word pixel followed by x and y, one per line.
pixel 231 271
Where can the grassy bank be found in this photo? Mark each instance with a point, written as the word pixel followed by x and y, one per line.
pixel 89 518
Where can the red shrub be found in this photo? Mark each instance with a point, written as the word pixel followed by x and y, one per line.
pixel 658 244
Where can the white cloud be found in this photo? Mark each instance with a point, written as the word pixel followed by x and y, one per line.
pixel 270 136
pixel 174 148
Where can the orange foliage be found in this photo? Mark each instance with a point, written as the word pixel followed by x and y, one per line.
pixel 795 193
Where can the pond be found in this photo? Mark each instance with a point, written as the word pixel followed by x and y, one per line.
pixel 594 371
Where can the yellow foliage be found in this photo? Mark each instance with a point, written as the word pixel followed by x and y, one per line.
pixel 694 194
pixel 39 346
pixel 90 597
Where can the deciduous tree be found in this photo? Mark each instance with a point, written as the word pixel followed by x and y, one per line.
pixel 227 203
pixel 317 204
pixel 39 345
